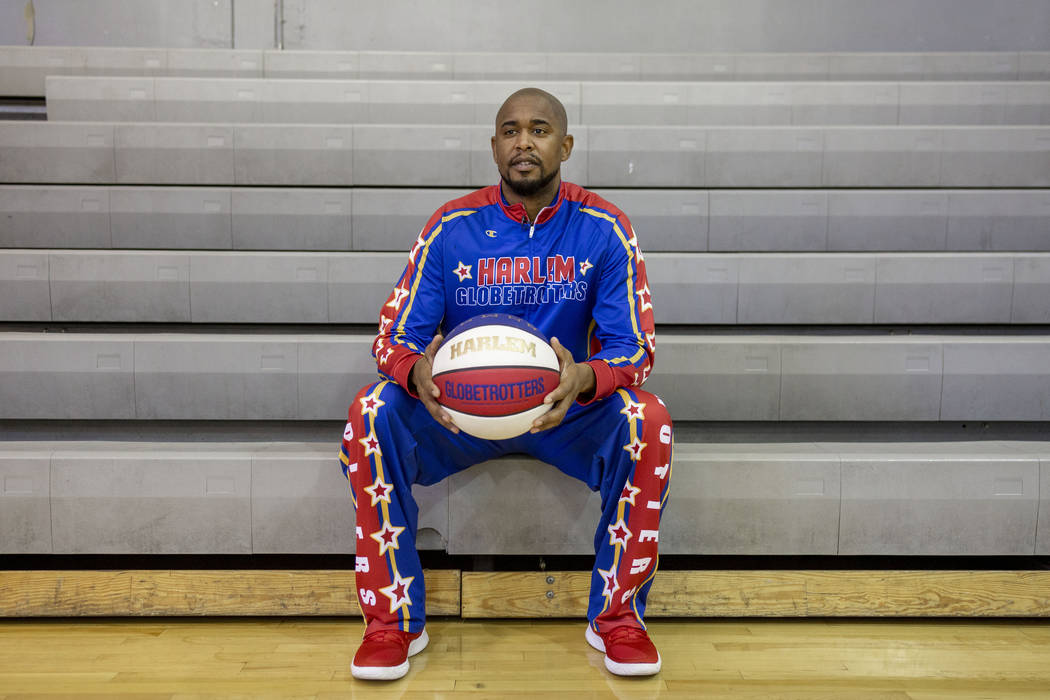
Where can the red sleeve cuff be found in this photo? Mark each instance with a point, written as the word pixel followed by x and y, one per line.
pixel 402 372
pixel 604 382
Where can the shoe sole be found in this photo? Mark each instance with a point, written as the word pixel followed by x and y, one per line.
pixel 391 673
pixel 621 669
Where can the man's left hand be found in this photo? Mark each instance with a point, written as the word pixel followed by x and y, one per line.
pixel 576 378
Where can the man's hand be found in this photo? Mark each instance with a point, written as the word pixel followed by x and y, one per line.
pixel 423 380
pixel 576 379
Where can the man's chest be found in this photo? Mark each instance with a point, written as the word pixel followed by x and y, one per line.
pixel 503 268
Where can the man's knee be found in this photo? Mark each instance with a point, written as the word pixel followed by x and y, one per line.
pixel 377 398
pixel 654 411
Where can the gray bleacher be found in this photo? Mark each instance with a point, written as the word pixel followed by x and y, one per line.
pixel 730 498
pixel 23 69
pixel 451 156
pixel 859 376
pixel 595 104
pixel 388 219
pixel 832 241
pixel 689 288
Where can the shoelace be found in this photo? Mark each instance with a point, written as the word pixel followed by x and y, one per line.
pixel 626 634
pixel 387 636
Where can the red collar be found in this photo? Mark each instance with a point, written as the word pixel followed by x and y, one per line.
pixel 517 212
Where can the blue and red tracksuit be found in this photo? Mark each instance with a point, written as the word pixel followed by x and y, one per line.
pixel 576 274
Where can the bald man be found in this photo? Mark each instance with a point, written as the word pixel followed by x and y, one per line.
pixel 566 261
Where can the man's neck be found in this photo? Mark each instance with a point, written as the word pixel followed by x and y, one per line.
pixel 534 203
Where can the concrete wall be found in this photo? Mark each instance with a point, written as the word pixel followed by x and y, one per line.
pixel 543 25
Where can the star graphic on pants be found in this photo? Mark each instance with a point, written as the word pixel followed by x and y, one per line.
pixel 635 449
pixel 463 272
pixel 634 410
pixel 370 404
pixel 379 491
pixel 371 444
pixel 397 592
pixel 628 493
pixel 611 584
pixel 387 537
pixel 618 533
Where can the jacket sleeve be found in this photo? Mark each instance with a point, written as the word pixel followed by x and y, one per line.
pixel 412 313
pixel 623 341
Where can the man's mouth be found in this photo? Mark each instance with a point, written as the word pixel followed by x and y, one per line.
pixel 524 164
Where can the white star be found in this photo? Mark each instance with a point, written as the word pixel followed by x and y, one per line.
pixel 634 244
pixel 633 410
pixel 372 444
pixel 650 340
pixel 387 537
pixel 611 584
pixel 628 493
pixel 384 323
pixel 584 266
pixel 463 271
pixel 415 248
pixel 386 356
pixel 397 592
pixel 635 449
pixel 379 491
pixel 645 298
pixel 618 533
pixel 370 404
pixel 399 296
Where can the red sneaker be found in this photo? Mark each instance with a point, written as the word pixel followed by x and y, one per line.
pixel 628 650
pixel 383 654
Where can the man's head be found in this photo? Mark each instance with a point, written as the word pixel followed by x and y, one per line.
pixel 531 141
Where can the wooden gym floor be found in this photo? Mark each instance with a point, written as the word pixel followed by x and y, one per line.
pixel 943 659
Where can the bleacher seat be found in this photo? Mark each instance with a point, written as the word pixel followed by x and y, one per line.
pixel 247 101
pixel 948 498
pixel 25 68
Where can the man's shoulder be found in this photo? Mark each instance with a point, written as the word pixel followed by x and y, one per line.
pixel 591 202
pixel 459 207
pixel 477 199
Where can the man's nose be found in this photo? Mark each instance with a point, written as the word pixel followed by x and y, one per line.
pixel 523 141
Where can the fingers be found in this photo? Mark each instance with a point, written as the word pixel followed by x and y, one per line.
pixel 426 388
pixel 553 417
pixel 563 395
pixel 564 356
pixel 437 412
pixel 431 349
pixel 565 381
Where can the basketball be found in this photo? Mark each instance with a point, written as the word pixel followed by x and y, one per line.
pixel 493 372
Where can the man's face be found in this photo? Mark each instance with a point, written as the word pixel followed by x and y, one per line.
pixel 529 145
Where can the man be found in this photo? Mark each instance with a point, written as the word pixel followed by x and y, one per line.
pixel 567 261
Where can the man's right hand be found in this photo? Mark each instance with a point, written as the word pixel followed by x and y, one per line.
pixel 423 381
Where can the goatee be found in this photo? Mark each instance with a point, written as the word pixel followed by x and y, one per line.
pixel 527 188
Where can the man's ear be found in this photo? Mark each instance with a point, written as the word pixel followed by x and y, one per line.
pixel 566 147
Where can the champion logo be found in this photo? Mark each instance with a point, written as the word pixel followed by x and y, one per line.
pixel 490 233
